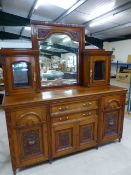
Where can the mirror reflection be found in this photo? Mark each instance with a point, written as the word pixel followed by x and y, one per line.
pixel 58 60
pixel 21 74
pixel 99 70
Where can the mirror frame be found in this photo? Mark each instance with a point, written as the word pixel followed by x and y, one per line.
pixel 41 30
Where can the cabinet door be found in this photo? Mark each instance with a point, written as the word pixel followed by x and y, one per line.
pixel 111 125
pixel 30 135
pixel 111 118
pixel 63 138
pixel 99 70
pixel 20 74
pixel 87 133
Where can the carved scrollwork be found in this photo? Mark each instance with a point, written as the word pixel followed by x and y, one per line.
pixel 43 33
pixel 75 35
pixel 112 104
pixel 28 119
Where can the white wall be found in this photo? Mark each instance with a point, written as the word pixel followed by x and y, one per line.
pixel 20 43
pixel 121 49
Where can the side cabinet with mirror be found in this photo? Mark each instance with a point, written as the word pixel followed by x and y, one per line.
pixel 21 70
pixel 60 53
pixel 96 67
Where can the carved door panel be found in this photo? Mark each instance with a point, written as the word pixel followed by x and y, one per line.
pixel 111 125
pixel 63 139
pixel 31 140
pixel 87 133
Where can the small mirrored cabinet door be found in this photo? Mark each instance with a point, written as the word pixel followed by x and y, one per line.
pixel 21 72
pixel 96 67
pixel 99 70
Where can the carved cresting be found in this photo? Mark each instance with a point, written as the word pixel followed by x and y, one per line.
pixel 44 33
pixel 29 134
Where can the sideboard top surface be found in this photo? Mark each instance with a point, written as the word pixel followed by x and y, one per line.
pixel 60 94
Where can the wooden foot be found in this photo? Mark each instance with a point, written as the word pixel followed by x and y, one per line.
pixel 50 161
pixel 14 171
pixel 97 147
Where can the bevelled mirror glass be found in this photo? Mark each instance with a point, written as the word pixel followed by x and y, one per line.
pixel 99 70
pixel 58 60
pixel 21 74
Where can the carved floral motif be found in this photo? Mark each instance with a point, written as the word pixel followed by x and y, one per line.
pixel 43 33
pixel 31 142
pixel 111 123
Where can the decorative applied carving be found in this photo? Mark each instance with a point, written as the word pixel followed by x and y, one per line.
pixel 28 119
pixel 31 143
pixel 112 104
pixel 86 133
pixel 43 33
pixel 111 123
pixel 75 35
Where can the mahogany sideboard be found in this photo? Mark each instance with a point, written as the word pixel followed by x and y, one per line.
pixel 51 124
pixel 58 98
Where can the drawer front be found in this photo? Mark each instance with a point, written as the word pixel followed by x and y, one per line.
pixel 78 116
pixel 28 116
pixel 112 102
pixel 74 106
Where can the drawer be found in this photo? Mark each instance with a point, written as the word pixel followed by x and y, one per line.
pixel 28 116
pixel 112 102
pixel 74 106
pixel 76 116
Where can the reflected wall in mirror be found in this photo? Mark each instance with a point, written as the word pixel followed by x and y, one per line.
pixel 21 74
pixel 58 60
pixel 99 70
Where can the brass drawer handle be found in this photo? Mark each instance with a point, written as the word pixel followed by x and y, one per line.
pixel 89 103
pixel 88 114
pixel 60 108
pixel 67 117
pixel 63 108
pixel 84 105
pixel 60 118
